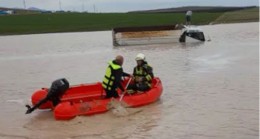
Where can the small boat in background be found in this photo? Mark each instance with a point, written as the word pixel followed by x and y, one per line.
pixel 89 99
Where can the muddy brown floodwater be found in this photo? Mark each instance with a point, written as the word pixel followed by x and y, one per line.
pixel 210 89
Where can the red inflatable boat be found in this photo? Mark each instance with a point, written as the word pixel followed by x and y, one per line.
pixel 88 99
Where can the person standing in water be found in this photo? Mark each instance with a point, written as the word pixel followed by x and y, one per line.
pixel 188 18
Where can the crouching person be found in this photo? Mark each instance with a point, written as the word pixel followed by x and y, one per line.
pixel 143 75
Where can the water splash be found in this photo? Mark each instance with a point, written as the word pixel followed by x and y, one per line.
pixel 121 109
pixel 118 108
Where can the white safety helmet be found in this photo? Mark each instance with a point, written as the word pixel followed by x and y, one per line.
pixel 140 56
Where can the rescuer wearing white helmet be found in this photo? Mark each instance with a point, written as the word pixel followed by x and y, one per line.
pixel 143 75
pixel 140 56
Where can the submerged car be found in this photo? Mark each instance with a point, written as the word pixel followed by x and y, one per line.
pixel 191 33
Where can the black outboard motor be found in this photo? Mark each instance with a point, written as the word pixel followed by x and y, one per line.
pixel 57 89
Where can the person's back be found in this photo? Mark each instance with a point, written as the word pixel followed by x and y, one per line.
pixel 112 78
pixel 188 13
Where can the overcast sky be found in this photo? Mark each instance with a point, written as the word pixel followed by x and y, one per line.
pixel 119 5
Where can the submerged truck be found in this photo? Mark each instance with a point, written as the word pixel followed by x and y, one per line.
pixel 124 36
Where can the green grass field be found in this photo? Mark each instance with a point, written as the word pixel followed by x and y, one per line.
pixel 248 15
pixel 73 22
pixel 68 22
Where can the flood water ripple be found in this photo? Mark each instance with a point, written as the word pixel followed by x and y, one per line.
pixel 211 89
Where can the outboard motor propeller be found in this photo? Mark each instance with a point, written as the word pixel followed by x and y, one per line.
pixel 57 90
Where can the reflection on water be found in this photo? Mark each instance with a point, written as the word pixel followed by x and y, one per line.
pixel 210 88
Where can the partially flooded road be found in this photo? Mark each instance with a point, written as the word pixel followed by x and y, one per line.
pixel 210 89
